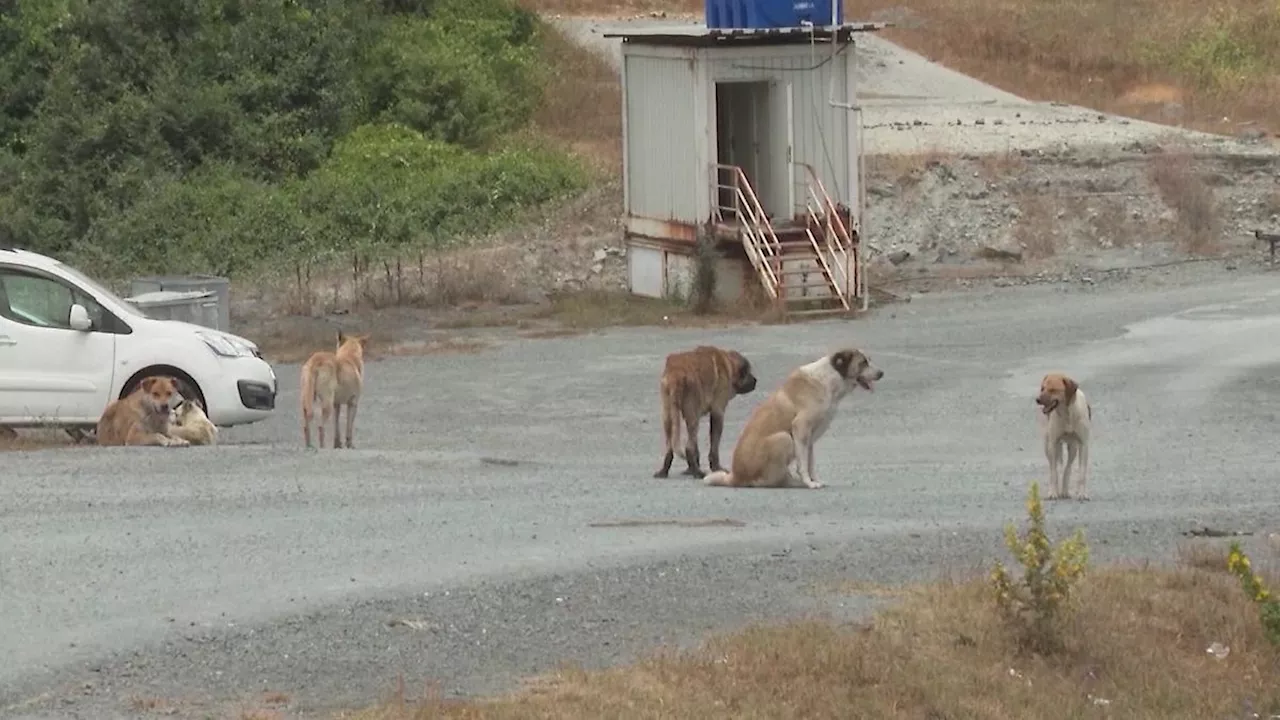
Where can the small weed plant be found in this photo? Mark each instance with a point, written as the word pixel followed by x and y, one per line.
pixel 1269 607
pixel 702 293
pixel 1035 605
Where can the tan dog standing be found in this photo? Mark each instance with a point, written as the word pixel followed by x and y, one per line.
pixel 785 427
pixel 694 383
pixel 1065 422
pixel 335 379
pixel 190 423
pixel 142 416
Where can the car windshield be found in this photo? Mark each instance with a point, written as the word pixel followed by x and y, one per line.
pixel 101 291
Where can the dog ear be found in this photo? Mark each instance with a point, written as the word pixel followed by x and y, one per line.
pixel 148 383
pixel 1071 388
pixel 842 361
pixel 342 338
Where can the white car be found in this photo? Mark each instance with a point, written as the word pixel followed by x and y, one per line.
pixel 69 346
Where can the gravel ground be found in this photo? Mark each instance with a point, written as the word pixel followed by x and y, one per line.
pixel 194 580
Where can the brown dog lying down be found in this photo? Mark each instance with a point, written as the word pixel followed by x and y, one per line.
pixel 141 417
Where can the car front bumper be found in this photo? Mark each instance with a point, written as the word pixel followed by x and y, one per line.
pixel 244 393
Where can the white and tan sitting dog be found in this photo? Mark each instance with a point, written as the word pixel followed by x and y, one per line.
pixel 790 421
pixel 1065 422
pixel 188 421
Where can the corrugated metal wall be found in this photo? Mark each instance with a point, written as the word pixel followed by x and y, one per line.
pixel 821 130
pixel 664 173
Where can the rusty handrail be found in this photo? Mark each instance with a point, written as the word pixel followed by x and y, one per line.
pixel 763 240
pixel 844 243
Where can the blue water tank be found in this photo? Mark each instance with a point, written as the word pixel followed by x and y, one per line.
pixel 765 14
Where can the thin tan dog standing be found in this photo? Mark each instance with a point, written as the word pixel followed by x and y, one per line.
pixel 1066 421
pixel 785 427
pixel 694 383
pixel 142 416
pixel 335 379
pixel 190 423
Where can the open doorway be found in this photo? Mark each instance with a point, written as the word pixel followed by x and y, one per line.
pixel 745 137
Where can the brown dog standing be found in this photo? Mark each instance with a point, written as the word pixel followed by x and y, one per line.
pixel 141 417
pixel 335 379
pixel 694 383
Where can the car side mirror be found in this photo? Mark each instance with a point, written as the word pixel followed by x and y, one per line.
pixel 80 318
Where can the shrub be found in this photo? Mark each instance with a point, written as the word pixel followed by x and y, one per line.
pixel 1034 606
pixel 217 135
pixel 702 290
pixel 1268 606
pixel 466 75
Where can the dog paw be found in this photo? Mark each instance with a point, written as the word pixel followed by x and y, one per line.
pixel 1082 497
pixel 813 484
pixel 178 442
pixel 661 474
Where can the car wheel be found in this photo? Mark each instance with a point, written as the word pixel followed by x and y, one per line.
pixel 185 388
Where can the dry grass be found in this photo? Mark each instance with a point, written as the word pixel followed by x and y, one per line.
pixel 1162 60
pixel 582 104
pixel 1136 648
pixel 906 169
pixel 1272 206
pixel 445 346
pixel 1037 227
pixel 999 166
pixel 589 310
pixel 33 439
pixel 1182 189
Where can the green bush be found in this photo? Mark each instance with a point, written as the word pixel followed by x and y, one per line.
pixel 1226 50
pixel 1239 565
pixel 218 135
pixel 387 186
pixel 1034 605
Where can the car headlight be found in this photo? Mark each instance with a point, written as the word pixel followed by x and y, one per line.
pixel 228 346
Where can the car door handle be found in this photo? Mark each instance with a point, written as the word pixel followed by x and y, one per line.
pixel 5 340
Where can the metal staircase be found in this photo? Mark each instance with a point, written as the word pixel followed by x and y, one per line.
pixel 807 263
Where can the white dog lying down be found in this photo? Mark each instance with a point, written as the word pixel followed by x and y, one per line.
pixel 188 421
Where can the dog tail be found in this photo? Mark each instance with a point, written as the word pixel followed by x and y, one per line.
pixel 719 478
